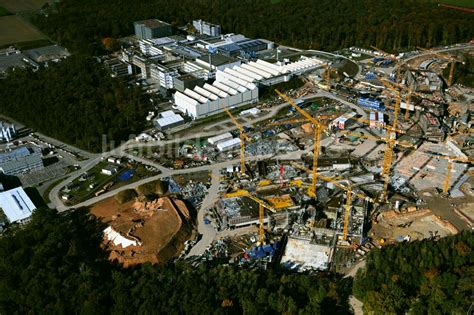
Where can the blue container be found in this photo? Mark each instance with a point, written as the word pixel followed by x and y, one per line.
pixel 127 175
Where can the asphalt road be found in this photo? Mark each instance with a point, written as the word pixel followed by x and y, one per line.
pixel 207 231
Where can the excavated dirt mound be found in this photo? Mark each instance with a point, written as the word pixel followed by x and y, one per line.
pixel 161 226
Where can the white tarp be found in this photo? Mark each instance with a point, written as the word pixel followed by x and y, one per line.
pixel 118 239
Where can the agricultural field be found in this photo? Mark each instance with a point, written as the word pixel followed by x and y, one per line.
pixel 461 3
pixel 15 30
pixel 16 6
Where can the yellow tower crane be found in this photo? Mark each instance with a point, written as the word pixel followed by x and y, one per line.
pixel 452 60
pixel 409 91
pixel 349 194
pixel 261 206
pixel 243 138
pixel 388 155
pixel 451 160
pixel 318 127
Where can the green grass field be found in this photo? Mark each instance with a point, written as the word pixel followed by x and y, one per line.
pixel 4 12
pixel 461 3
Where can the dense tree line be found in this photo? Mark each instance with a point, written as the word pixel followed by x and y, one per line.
pixel 75 101
pixel 423 277
pixel 322 24
pixel 55 265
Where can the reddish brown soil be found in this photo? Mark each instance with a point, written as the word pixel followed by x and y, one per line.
pixel 161 231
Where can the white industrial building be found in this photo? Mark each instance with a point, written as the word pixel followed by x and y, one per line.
pixel 16 205
pixel 211 99
pixel 219 138
pixel 236 85
pixel 228 144
pixel 168 119
pixel 267 73
pixel 343 121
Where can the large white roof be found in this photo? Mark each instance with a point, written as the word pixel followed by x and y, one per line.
pixel 239 75
pixel 215 90
pixel 206 93
pixel 248 73
pixel 169 120
pixel 271 66
pixel 16 204
pixel 235 85
pixel 264 68
pixel 196 96
pixel 224 145
pixel 256 70
pixel 218 138
pixel 225 88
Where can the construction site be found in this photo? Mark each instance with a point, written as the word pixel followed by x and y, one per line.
pixel 327 180
pixel 309 161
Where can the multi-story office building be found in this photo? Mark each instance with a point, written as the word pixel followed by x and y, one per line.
pixel 163 74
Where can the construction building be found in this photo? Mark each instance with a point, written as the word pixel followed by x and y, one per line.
pixel 206 28
pixel 238 212
pixel 21 160
pixel 304 254
pixel 343 121
pixel 152 28
pixel 376 120
pixel 16 206
pixel 431 126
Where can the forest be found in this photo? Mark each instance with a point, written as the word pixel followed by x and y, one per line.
pixel 423 277
pixel 56 264
pixel 323 24
pixel 75 101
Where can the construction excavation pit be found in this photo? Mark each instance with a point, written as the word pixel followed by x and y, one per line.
pixel 143 229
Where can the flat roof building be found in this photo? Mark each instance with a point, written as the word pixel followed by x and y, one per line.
pixel 20 160
pixel 152 28
pixel 16 205
pixel 186 81
pixel 168 119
